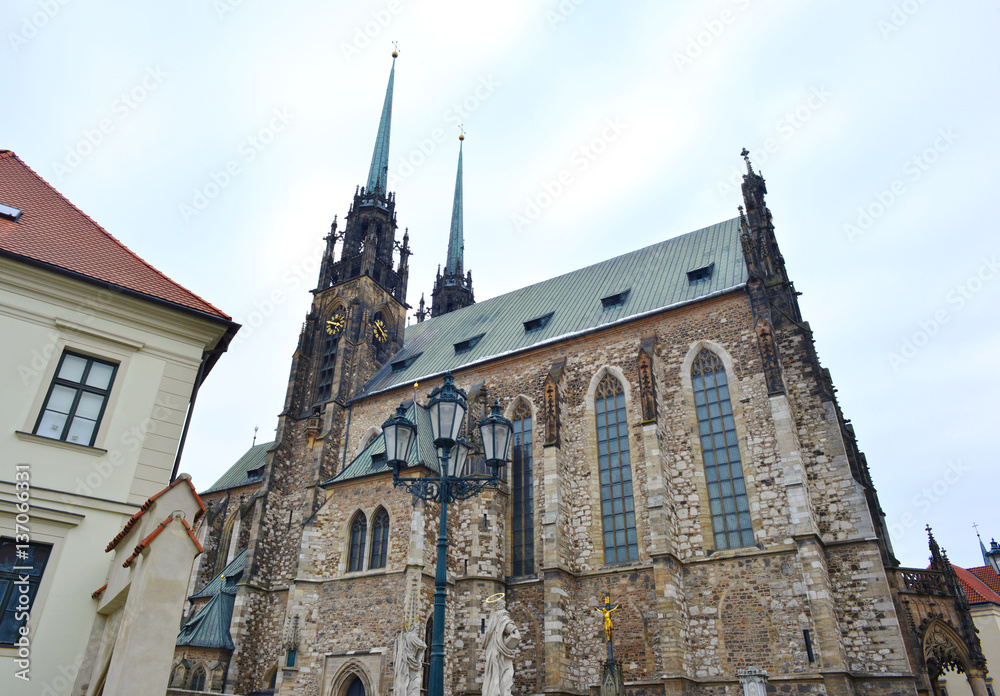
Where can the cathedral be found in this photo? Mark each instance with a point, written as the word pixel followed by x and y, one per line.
pixel 677 446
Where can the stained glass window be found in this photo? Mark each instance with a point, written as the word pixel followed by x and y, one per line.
pixel 380 539
pixel 617 507
pixel 359 528
pixel 522 495
pixel 727 493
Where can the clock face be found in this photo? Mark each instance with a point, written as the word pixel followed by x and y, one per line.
pixel 335 324
pixel 379 331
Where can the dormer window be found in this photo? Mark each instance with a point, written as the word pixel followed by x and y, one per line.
pixel 400 365
pixel 700 275
pixel 9 212
pixel 537 324
pixel 616 300
pixel 468 344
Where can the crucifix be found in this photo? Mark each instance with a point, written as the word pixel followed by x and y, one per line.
pixel 606 609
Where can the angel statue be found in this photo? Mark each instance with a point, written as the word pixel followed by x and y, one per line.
pixel 501 639
pixel 408 658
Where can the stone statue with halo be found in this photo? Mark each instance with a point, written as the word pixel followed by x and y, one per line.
pixel 501 640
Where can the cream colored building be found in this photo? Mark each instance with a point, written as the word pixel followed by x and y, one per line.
pixel 102 356
pixel 982 588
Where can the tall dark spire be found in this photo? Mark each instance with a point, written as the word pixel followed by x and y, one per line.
pixel 456 242
pixel 378 173
pixel 453 290
pixel 368 241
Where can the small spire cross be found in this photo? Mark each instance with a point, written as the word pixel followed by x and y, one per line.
pixel 395 46
pixel 461 129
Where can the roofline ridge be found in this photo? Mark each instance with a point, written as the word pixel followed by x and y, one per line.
pixel 138 258
pixel 363 394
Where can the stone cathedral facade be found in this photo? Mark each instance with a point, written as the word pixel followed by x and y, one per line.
pixel 677 444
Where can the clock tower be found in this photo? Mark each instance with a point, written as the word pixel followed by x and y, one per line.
pixel 358 313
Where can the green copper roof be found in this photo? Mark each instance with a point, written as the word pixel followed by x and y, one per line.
pixel 456 242
pixel 655 278
pixel 379 171
pixel 372 459
pixel 226 580
pixel 209 628
pixel 237 475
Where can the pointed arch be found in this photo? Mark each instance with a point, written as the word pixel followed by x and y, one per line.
pixel 369 436
pixel 198 678
pixel 380 539
pixel 521 477
pixel 345 676
pixel 328 357
pixel 356 542
pixel 944 649
pixel 608 393
pixel 728 504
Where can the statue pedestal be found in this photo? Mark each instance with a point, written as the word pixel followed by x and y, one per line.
pixel 612 682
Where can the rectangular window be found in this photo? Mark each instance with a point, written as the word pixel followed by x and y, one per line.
pixel 17 563
pixel 76 400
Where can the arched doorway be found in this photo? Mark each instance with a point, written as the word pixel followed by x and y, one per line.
pixel 355 688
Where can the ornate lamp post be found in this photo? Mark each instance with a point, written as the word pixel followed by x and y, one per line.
pixel 447 410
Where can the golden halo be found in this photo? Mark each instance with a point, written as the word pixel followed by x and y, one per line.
pixel 409 622
pixel 494 598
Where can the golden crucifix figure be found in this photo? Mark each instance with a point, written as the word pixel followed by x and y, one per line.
pixel 606 609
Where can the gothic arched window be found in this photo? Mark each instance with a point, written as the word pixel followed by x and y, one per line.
pixel 522 495
pixel 380 539
pixel 617 507
pixel 428 639
pixel 359 527
pixel 727 493
pixel 332 329
pixel 197 679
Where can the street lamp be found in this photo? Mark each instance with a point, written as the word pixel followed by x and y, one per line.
pixel 447 410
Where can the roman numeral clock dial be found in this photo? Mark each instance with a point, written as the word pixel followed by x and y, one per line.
pixel 379 331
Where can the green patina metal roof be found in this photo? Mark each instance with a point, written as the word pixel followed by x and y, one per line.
pixel 378 173
pixel 372 459
pixel 227 579
pixel 456 241
pixel 209 628
pixel 655 277
pixel 237 476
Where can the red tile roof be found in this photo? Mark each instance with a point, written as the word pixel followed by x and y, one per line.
pixel 976 590
pixel 145 506
pixel 149 539
pixel 988 576
pixel 55 232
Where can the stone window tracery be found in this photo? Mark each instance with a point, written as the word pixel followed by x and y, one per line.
pixel 727 494
pixel 359 528
pixel 617 504
pixel 380 539
pixel 522 494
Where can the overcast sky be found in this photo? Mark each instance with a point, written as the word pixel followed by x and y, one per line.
pixel 874 123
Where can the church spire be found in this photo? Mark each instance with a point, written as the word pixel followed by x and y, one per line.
pixel 456 242
pixel 453 289
pixel 378 173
